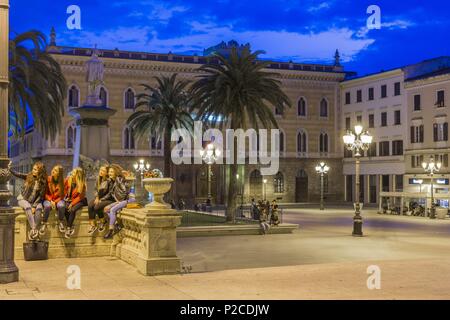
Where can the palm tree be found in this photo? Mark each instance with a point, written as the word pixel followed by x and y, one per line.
pixel 160 110
pixel 240 94
pixel 37 85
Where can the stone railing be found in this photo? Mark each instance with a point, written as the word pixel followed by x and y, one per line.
pixel 79 245
pixel 148 240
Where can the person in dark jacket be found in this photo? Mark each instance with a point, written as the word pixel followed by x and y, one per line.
pixel 119 195
pixel 101 200
pixel 31 196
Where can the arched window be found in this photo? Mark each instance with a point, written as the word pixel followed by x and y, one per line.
pixel 301 107
pixel 323 142
pixel 278 183
pixel 129 99
pixel 128 139
pixel 282 146
pixel 103 96
pixel 71 135
pixel 302 141
pixel 73 97
pixel 324 108
pixel 156 144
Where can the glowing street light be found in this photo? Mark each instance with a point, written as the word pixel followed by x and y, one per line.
pixel 432 167
pixel 358 142
pixel 322 169
pixel 210 155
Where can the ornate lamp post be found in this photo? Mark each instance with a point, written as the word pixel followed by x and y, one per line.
pixel 210 155
pixel 141 168
pixel 357 141
pixel 322 169
pixel 432 167
pixel 8 269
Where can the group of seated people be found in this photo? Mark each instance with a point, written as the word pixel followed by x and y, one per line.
pixel 266 213
pixel 41 194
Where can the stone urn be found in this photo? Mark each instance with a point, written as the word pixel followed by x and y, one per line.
pixel 159 187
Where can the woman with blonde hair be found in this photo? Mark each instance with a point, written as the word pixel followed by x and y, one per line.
pixel 32 194
pixel 101 200
pixel 75 191
pixel 54 197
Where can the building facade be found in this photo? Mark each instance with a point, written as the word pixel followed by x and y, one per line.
pixel 377 102
pixel 428 104
pixel 307 129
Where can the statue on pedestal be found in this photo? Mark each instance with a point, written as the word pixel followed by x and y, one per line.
pixel 95 71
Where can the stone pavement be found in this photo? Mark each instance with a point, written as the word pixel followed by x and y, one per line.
pixel 103 278
pixel 319 261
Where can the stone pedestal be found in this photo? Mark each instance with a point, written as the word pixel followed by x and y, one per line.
pixel 92 138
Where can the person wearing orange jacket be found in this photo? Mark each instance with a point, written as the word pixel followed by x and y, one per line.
pixel 54 197
pixel 75 199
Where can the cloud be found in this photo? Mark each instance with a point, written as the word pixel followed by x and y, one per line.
pixel 279 45
pixel 319 7
pixel 397 24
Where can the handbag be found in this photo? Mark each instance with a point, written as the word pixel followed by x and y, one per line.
pixel 35 250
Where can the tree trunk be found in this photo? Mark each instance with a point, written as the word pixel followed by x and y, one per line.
pixel 232 190
pixel 167 153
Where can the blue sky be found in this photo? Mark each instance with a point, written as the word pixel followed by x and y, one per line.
pixel 304 31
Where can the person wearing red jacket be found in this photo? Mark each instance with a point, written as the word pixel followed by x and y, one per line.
pixel 54 197
pixel 75 191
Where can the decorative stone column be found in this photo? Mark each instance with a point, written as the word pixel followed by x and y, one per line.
pixel 8 269
pixel 148 239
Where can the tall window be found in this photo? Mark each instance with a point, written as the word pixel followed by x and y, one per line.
pixel 417 105
pixel 301 142
pixel 128 139
pixel 384 91
pixel 440 98
pixel 371 94
pixel 384 149
pixel 73 97
pixel 347 98
pixel 440 131
pixel 371 121
pixel 323 142
pixel 417 134
pixel 282 141
pixel 416 161
pixel 384 119
pixel 397 89
pixel 359 119
pixel 103 97
pixel 129 99
pixel 397 117
pixel 156 144
pixel 301 107
pixel 324 108
pixel 359 96
pixel 372 151
pixel 348 123
pixel 278 183
pixel 397 147
pixel 71 136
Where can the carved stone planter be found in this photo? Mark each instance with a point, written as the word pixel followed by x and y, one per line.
pixel 159 187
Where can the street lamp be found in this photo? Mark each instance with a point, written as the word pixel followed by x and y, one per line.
pixel 141 168
pixel 8 269
pixel 432 167
pixel 210 155
pixel 322 169
pixel 264 185
pixel 358 142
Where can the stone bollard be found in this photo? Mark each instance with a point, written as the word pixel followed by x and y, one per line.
pixel 148 239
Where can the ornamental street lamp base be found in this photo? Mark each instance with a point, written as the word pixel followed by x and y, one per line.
pixel 357 227
pixel 8 269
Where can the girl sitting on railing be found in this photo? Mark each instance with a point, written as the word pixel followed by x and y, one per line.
pixel 120 194
pixel 75 190
pixel 32 194
pixel 101 200
pixel 54 197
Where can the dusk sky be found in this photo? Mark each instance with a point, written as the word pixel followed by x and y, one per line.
pixel 302 31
